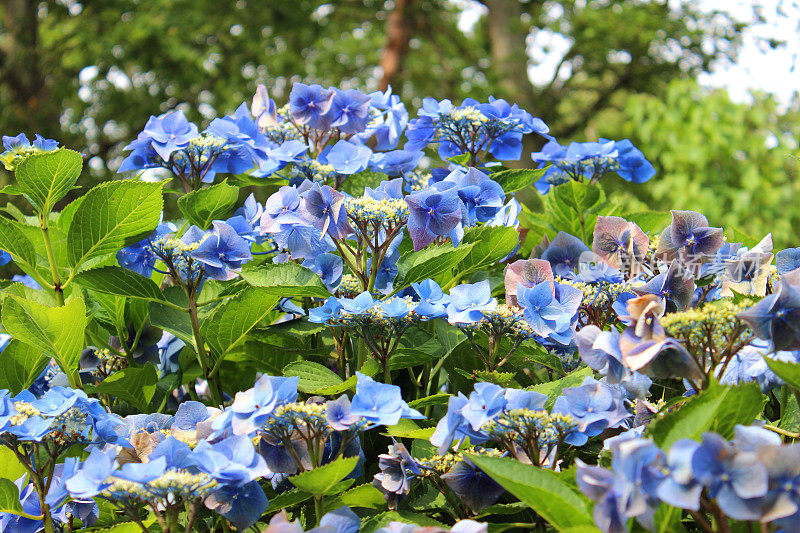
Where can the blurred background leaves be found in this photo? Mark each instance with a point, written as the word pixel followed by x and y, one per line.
pixel 90 73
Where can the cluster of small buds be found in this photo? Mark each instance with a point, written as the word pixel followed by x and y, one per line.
pixel 175 252
pixel 12 158
pixel 713 325
pixel 69 427
pixel 466 115
pixel 349 287
pixel 200 152
pixel 597 294
pixel 108 364
pixel 384 214
pixel 772 279
pixel 523 425
pixel 307 419
pixel 505 320
pixel 24 411
pixel 170 486
pixel 418 181
pixel 441 464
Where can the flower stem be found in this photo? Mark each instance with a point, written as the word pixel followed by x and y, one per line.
pixel 51 258
pixel 202 355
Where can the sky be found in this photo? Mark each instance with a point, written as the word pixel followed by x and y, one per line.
pixel 759 67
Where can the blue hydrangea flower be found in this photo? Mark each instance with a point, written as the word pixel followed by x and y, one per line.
pixel 595 407
pixel 251 408
pixel 233 461
pixel 551 309
pixel 323 207
pixel 380 404
pixel 469 301
pixel 787 260
pixel 472 486
pixel 222 252
pixel 732 477
pixel 776 318
pixel 349 110
pixel 309 104
pixel 395 162
pixel 564 254
pixel 433 213
pixel 164 134
pixel 347 158
pixel 240 505
pixel 482 196
pixel 619 243
pixel 328 311
pixel 689 238
pixel 432 300
pixel 92 477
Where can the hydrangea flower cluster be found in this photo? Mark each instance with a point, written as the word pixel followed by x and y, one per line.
pixel 247 365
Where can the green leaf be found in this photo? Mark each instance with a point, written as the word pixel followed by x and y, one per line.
pixel 408 429
pixel 286 279
pixel 408 357
pixel 363 496
pixel 355 184
pixel 9 499
pixel 272 359
pixel 120 282
pixel 542 490
pixel 718 408
pixel 435 399
pixel 47 177
pixel 652 222
pixel 212 203
pixel 286 499
pixel 323 478
pixel 137 386
pixel 56 331
pixel 16 243
pixel 427 263
pixel 20 365
pixel 517 179
pixel 171 319
pixel 788 372
pixel 488 245
pixel 315 377
pixel 553 389
pixel 10 467
pixel 111 216
pixel 233 319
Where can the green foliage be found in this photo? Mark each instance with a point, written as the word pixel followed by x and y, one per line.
pixel 137 386
pixel 47 177
pixel 727 160
pixel 20 365
pixel 203 206
pixel 318 379
pixel 324 478
pixel 285 279
pixel 56 331
pixel 9 499
pixel 232 320
pixel 112 216
pixel 513 180
pixel 414 267
pixel 718 408
pixel 788 372
pixel 542 490
pixel 120 282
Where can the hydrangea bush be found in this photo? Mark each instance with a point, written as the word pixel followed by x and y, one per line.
pixel 353 325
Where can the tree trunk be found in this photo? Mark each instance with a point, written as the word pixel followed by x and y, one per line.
pixel 399 28
pixel 19 60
